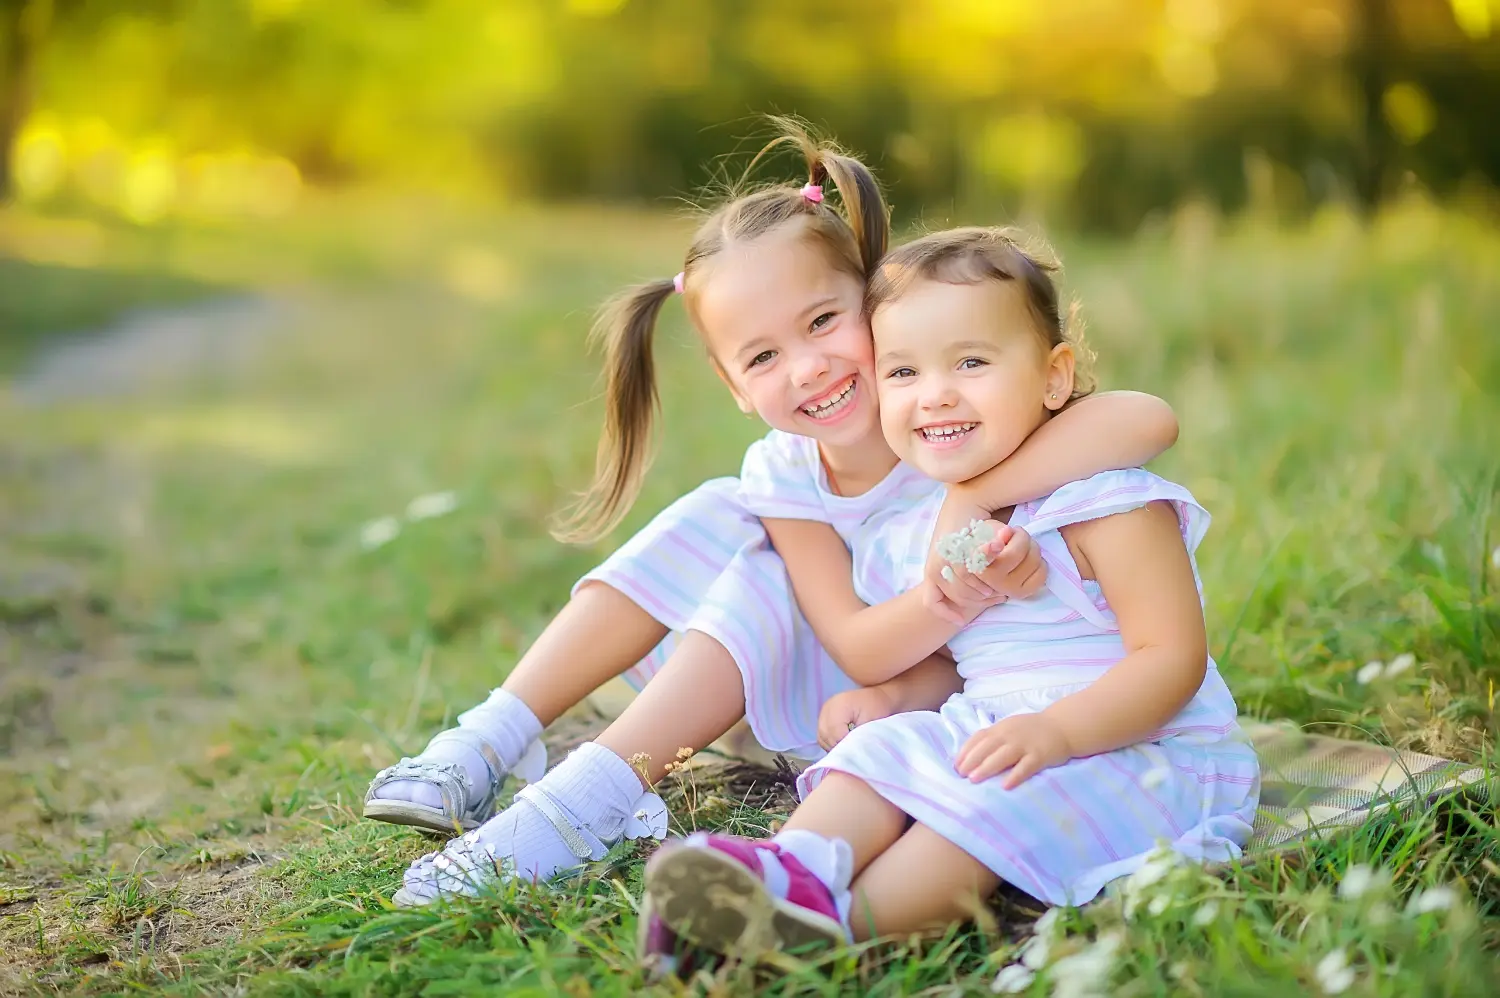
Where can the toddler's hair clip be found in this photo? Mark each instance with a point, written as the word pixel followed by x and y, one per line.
pixel 677 283
pixel 813 193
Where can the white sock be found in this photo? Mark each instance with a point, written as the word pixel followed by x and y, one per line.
pixel 595 789
pixel 506 723
pixel 830 860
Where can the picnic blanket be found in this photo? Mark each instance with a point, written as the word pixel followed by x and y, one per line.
pixel 1311 784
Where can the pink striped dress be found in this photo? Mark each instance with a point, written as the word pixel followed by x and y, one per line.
pixel 1066 832
pixel 704 564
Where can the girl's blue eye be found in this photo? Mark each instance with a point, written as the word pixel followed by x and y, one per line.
pixel 822 321
pixel 970 363
pixel 902 372
pixel 764 357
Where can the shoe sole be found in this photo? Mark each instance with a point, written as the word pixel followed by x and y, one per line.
pixel 397 812
pixel 714 901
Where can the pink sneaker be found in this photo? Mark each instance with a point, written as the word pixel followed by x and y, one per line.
pixel 741 896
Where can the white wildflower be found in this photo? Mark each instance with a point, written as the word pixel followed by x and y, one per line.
pixel 1138 886
pixel 1495 559
pixel 378 533
pixel 1034 954
pixel 1085 974
pixel 1358 881
pixel 431 505
pixel 966 546
pixel 1047 924
pixel 1369 672
pixel 1155 777
pixel 1013 980
pixel 1435 555
pixel 1334 973
pixel 1206 913
pixel 1400 664
pixel 1433 899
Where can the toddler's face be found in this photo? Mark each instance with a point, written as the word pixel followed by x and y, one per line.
pixel 964 376
pixel 788 336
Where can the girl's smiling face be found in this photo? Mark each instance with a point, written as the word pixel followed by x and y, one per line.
pixel 787 333
pixel 964 375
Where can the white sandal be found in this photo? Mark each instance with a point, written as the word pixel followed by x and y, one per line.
pixel 465 865
pixel 464 805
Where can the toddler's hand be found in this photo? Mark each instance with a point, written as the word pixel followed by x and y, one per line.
pixel 1024 744
pixel 1015 571
pixel 843 712
pixel 957 587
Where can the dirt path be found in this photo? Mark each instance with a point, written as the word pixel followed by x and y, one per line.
pixel 151 349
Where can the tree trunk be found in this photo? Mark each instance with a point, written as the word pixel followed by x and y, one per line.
pixel 1372 68
pixel 21 23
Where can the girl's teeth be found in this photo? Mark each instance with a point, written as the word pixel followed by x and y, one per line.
pixel 948 432
pixel 824 408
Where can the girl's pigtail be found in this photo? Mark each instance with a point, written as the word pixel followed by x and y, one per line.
pixel 625 326
pixel 864 207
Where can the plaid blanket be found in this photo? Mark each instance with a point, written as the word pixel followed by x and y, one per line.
pixel 1312 784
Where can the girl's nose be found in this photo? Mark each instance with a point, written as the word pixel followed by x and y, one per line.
pixel 808 367
pixel 937 393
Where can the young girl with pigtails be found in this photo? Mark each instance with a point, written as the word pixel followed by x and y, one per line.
pixel 1092 725
pixel 697 610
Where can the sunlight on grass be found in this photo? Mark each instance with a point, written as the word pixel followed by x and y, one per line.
pixel 261 434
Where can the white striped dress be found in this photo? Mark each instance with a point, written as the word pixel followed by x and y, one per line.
pixel 705 564
pixel 1066 832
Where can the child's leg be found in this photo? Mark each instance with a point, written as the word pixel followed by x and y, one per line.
pixel 744 896
pixel 696 697
pixel 587 800
pixel 921 882
pixel 599 634
pixel 844 807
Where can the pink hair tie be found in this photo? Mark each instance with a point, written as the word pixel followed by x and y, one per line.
pixel 677 283
pixel 813 193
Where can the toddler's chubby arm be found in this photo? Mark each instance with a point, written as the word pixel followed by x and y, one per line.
pixel 1143 569
pixel 871 643
pixel 1104 432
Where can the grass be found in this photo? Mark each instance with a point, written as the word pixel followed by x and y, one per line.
pixel 203 667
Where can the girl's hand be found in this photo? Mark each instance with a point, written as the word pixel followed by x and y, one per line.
pixel 1024 744
pixel 1016 571
pixel 845 711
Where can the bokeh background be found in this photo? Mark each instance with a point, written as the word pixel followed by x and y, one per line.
pixel 1101 113
pixel 293 305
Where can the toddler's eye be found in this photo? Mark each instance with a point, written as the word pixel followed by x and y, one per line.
pixel 970 363
pixel 902 372
pixel 822 321
pixel 764 357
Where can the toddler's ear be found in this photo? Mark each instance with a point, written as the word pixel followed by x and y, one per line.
pixel 1060 365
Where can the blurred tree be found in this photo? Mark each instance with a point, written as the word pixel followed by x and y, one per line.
pixel 1100 112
